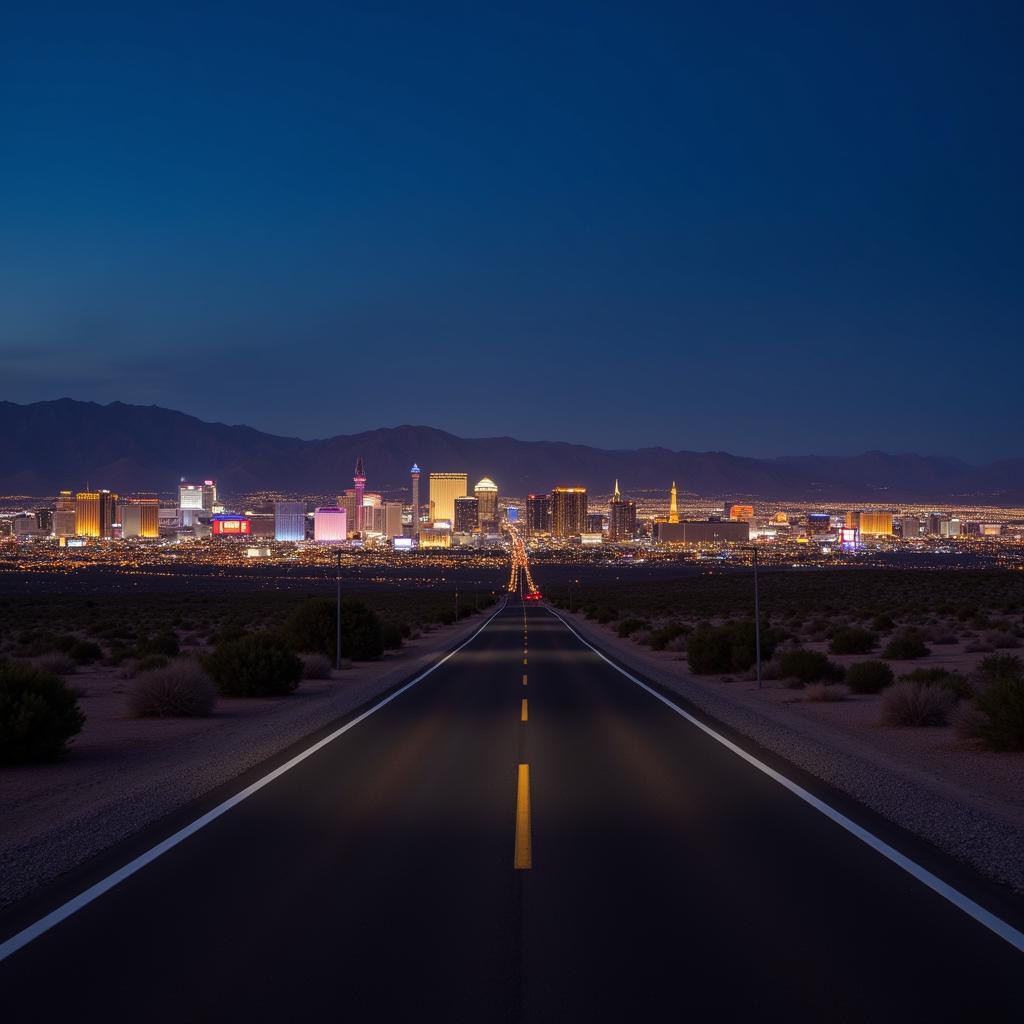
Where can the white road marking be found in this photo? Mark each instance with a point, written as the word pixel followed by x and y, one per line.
pixel 83 899
pixel 964 903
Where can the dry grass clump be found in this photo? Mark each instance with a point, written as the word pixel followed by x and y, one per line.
pixel 178 690
pixel 917 704
pixel 826 692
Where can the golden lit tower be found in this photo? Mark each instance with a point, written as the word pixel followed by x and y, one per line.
pixel 673 507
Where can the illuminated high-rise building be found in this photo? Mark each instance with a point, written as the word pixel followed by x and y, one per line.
pixel 139 518
pixel 359 481
pixel 64 515
pixel 199 497
pixel 487 504
pixel 538 514
pixel 444 489
pixel 330 524
pixel 568 511
pixel 467 514
pixel 621 517
pixel 94 513
pixel 737 513
pixel 414 475
pixel 673 504
pixel 875 524
pixel 289 520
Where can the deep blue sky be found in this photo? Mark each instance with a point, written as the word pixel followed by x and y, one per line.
pixel 765 228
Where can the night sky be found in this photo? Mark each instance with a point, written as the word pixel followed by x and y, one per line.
pixel 762 228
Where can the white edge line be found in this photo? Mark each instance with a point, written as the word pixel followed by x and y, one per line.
pixel 964 903
pixel 83 899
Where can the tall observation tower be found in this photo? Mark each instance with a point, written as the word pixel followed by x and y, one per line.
pixel 673 507
pixel 359 479
pixel 415 474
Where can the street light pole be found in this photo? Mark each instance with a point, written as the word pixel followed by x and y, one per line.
pixel 337 648
pixel 757 621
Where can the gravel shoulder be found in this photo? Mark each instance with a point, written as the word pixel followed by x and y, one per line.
pixel 967 802
pixel 123 774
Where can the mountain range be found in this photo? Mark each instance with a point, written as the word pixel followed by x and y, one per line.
pixel 46 446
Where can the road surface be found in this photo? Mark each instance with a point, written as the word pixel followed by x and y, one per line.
pixel 525 834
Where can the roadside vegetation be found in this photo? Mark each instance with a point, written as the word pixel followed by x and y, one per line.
pixel 179 654
pixel 844 635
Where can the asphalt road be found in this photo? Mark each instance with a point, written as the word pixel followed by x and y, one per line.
pixel 661 878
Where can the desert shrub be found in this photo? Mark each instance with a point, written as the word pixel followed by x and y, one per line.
pixel 1001 641
pixel 58 664
pixel 998 665
pixel 150 662
pixel 916 704
pixel 727 648
pixel 999 714
pixel 709 650
pixel 163 643
pixel 444 617
pixel 660 638
pixel 391 634
pixel 39 714
pixel 677 645
pixel 316 666
pixel 257 665
pixel 882 624
pixel 628 626
pixel 313 627
pixel 826 692
pixel 956 683
pixel 978 647
pixel 85 652
pixel 180 689
pixel 869 676
pixel 852 640
pixel 808 666
pixel 942 638
pixel 603 614
pixel 905 645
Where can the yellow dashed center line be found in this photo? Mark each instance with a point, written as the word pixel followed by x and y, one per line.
pixel 524 712
pixel 524 679
pixel 524 851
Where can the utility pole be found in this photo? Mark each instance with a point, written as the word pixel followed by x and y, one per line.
pixel 337 652
pixel 757 619
pixel 456 604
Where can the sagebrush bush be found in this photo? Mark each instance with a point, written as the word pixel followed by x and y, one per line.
pixel 906 645
pixel 916 704
pixel 999 722
pixel 628 626
pixel 85 652
pixel 316 666
pixel 313 627
pixel 256 665
pixel 58 664
pixel 826 692
pixel 952 681
pixel 728 648
pixel 39 714
pixel 180 689
pixel 869 676
pixel 808 666
pixel 852 640
pixel 998 665
pixel 658 639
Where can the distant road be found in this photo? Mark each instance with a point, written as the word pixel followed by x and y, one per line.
pixel 524 834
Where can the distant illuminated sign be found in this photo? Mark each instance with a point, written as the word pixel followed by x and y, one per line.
pixel 402 543
pixel 513 514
